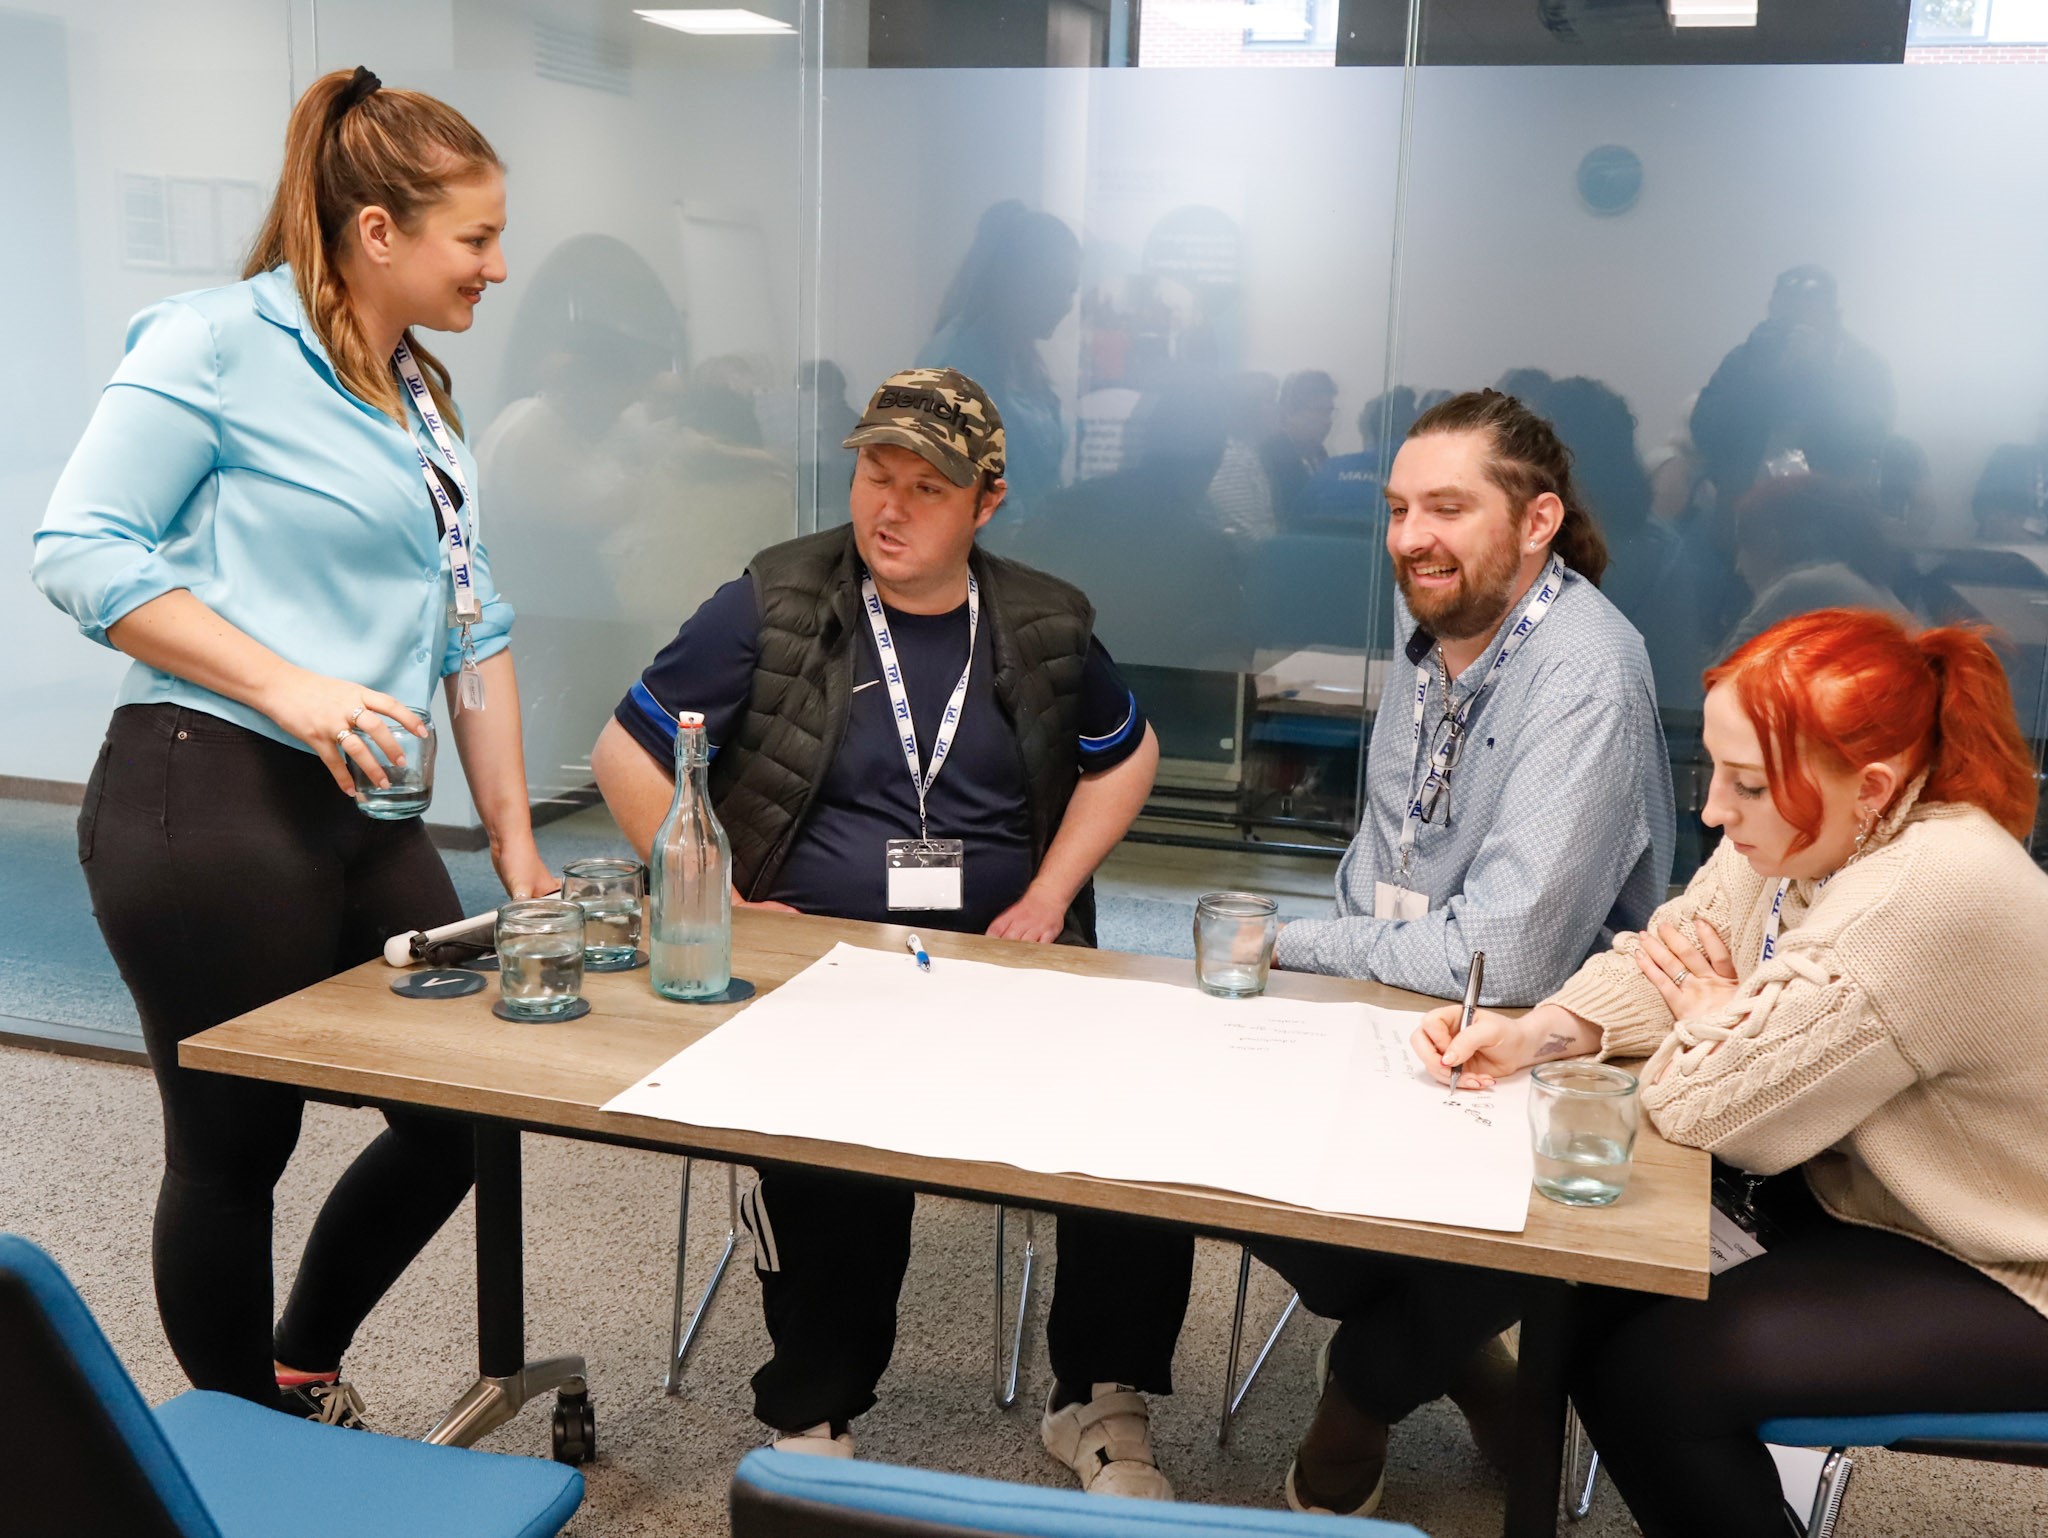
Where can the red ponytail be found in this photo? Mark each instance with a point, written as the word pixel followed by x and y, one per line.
pixel 1859 687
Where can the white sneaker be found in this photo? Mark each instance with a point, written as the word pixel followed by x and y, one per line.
pixel 1107 1442
pixel 817 1442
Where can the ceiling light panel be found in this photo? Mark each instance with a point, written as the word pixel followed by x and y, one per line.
pixel 1712 13
pixel 712 23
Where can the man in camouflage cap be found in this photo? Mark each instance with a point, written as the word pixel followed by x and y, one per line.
pixel 834 806
pixel 943 415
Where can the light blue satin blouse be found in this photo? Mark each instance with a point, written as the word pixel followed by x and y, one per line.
pixel 226 458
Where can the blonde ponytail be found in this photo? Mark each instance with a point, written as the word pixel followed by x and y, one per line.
pixel 349 146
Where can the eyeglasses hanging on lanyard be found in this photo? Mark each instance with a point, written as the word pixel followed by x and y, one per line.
pixel 456 537
pixel 1449 740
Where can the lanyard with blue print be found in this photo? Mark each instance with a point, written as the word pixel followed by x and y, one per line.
pixel 1776 922
pixel 1532 615
pixel 923 872
pixel 455 536
pixel 899 702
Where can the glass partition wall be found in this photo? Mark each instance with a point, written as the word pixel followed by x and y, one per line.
pixel 1774 283
pixel 1779 285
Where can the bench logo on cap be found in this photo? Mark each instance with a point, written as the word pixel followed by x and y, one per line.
pixel 940 414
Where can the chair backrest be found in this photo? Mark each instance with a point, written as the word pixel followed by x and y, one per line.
pixel 1990 1436
pixel 82 1450
pixel 785 1495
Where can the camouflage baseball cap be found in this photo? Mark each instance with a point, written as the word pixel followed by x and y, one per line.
pixel 941 414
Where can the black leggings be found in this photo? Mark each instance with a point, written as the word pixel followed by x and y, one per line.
pixel 1833 1320
pixel 227 870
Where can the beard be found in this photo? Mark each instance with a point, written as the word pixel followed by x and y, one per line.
pixel 1479 601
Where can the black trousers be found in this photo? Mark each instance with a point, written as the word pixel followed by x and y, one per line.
pixel 1404 1327
pixel 226 870
pixel 1833 1320
pixel 830 1251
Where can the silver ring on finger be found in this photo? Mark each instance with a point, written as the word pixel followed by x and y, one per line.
pixel 1678 978
pixel 344 734
pixel 356 714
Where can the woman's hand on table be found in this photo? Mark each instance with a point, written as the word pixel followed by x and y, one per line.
pixel 766 907
pixel 1694 979
pixel 1495 1045
pixel 317 710
pixel 524 873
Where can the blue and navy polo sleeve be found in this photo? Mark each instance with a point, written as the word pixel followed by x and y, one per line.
pixel 1112 724
pixel 708 668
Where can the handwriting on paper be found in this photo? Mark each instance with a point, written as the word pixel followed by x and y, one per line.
pixel 1475 1105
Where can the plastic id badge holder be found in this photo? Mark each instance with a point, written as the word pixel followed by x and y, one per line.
pixel 925 872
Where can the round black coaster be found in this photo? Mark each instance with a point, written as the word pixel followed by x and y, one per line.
pixel 631 963
pixel 438 983
pixel 736 990
pixel 487 963
pixel 575 1011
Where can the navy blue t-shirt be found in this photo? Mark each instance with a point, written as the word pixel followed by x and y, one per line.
pixel 835 866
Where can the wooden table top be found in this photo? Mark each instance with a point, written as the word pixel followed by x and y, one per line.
pixel 351 1036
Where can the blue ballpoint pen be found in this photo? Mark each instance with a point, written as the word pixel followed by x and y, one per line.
pixel 924 962
pixel 1471 1003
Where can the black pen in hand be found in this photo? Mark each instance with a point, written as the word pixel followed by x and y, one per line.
pixel 1471 1003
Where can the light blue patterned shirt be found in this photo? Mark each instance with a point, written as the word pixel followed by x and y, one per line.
pixel 1559 829
pixel 226 458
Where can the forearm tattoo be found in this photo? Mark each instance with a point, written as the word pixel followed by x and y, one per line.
pixel 1558 1045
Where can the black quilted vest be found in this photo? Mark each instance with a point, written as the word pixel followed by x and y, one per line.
pixel 808 594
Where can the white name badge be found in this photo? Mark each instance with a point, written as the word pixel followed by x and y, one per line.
pixel 1728 1243
pixel 1397 902
pixel 925 872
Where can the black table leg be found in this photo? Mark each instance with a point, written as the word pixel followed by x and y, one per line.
pixel 505 1379
pixel 1536 1467
pixel 500 1253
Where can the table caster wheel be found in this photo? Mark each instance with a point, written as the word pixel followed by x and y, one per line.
pixel 575 1428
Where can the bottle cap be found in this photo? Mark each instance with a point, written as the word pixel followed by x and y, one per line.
pixel 690 718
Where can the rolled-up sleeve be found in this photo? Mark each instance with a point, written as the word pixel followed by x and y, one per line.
pixel 1571 825
pixel 153 440
pixel 492 630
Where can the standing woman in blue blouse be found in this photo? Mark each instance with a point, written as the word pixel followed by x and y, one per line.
pixel 282 532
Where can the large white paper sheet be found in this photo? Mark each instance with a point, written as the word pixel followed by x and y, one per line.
pixel 1321 1105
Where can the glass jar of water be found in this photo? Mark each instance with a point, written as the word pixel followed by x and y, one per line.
pixel 608 891
pixel 1583 1117
pixel 540 958
pixel 1234 934
pixel 410 777
pixel 689 881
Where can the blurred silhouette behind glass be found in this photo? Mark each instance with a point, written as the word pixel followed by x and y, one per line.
pixel 2010 503
pixel 1293 454
pixel 1805 542
pixel 1345 495
pixel 1015 286
pixel 822 386
pixel 1646 577
pixel 1240 493
pixel 594 329
pixel 1799 388
pixel 1166 581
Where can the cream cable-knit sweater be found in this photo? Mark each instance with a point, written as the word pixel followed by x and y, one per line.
pixel 1896 1044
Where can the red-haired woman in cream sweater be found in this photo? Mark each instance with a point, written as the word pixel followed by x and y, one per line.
pixel 1850 1004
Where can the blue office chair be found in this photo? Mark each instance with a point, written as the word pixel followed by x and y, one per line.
pixel 92 1457
pixel 2018 1437
pixel 786 1495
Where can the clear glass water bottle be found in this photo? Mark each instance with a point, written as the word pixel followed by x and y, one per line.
pixel 689 881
